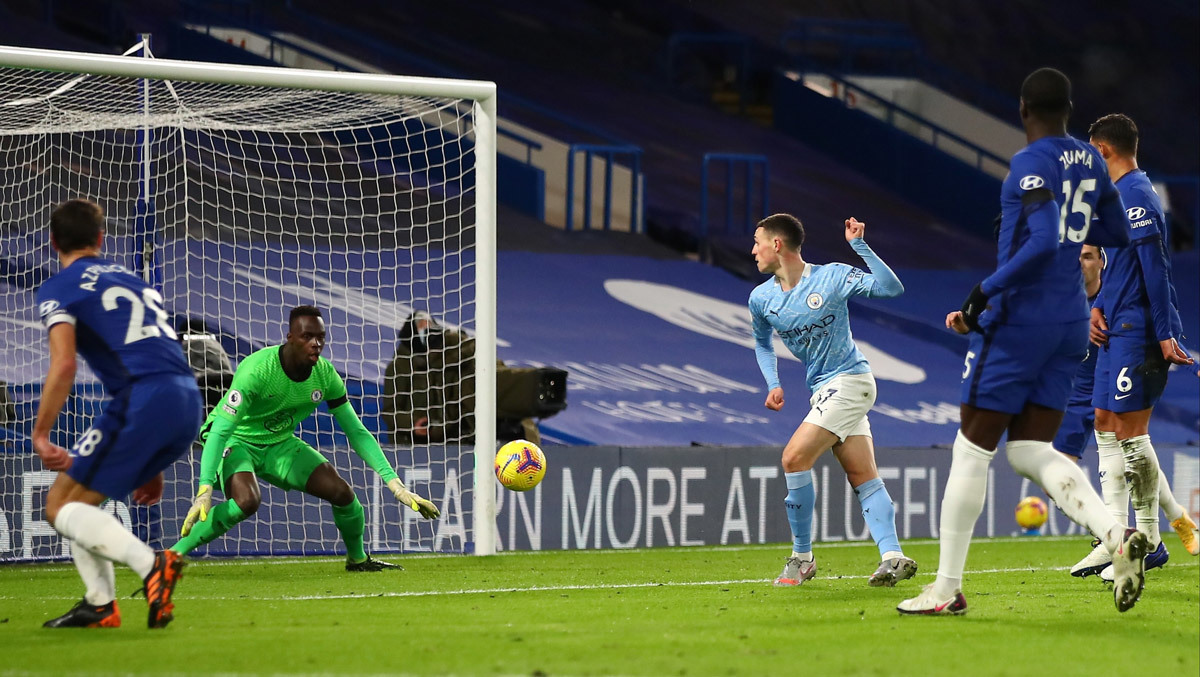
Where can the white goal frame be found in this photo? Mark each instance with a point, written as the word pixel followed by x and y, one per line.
pixel 482 93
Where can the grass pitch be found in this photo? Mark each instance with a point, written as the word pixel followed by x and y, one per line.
pixel 680 611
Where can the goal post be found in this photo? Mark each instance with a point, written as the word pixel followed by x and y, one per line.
pixel 370 196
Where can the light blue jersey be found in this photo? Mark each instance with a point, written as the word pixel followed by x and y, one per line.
pixel 812 317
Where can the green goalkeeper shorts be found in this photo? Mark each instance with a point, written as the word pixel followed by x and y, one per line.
pixel 286 464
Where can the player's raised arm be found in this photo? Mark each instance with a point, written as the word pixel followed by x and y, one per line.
pixel 882 282
pixel 367 447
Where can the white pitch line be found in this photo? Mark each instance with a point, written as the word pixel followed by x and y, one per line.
pixel 325 559
pixel 558 588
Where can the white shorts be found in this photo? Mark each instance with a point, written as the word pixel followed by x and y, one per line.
pixel 841 405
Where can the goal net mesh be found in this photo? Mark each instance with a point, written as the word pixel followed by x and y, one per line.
pixel 238 203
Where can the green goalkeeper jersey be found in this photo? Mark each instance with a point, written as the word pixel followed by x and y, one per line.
pixel 268 405
pixel 264 405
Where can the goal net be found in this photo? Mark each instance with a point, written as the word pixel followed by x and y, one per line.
pixel 240 193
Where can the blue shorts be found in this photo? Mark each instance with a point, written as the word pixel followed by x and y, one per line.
pixel 1131 375
pixel 143 430
pixel 1009 366
pixel 1078 426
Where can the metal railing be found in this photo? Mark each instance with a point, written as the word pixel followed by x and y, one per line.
pixel 882 47
pixel 853 96
pixel 609 155
pixel 734 162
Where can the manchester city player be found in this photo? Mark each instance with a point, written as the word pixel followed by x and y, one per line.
pixel 1029 332
pixel 1136 320
pixel 116 322
pixel 251 434
pixel 806 305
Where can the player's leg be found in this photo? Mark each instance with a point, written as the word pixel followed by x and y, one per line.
pixel 1077 427
pixel 1136 380
pixel 1031 455
pixel 237 479
pixel 857 457
pixel 996 379
pixel 127 446
pixel 299 466
pixel 98 608
pixel 1111 459
pixel 348 513
pixel 799 455
pixel 1142 475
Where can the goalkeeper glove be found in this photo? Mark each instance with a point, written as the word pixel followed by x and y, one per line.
pixel 415 501
pixel 973 307
pixel 199 510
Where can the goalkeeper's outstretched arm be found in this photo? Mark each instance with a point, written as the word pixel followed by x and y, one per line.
pixel 368 449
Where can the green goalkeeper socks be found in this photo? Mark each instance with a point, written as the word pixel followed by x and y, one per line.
pixel 350 521
pixel 220 519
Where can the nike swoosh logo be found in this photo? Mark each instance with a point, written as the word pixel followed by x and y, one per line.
pixel 941 607
pixel 1121 397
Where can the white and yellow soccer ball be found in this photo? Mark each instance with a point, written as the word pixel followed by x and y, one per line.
pixel 1031 512
pixel 520 465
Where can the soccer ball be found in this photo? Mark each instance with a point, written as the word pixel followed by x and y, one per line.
pixel 520 465
pixel 1031 512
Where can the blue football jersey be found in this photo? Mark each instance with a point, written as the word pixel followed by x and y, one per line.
pixel 1077 176
pixel 812 318
pixel 1137 284
pixel 1085 376
pixel 121 328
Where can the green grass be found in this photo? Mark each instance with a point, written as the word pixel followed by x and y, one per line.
pixel 681 611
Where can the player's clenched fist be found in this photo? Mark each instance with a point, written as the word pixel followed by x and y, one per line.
pixel 201 505
pixel 854 229
pixel 415 501
pixel 774 399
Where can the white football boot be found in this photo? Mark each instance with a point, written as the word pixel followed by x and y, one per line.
pixel 926 604
pixel 1096 561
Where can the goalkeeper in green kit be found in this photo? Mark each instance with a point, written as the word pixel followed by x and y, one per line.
pixel 250 434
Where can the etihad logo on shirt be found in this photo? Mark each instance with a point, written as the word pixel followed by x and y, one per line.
pixel 1135 213
pixel 1031 182
pixel 808 328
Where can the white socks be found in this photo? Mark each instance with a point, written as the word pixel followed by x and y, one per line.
pixel 1143 475
pixel 966 489
pixel 98 577
pixel 1112 476
pixel 1065 483
pixel 91 528
pixel 1166 499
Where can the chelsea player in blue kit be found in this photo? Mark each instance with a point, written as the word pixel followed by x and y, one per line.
pixel 1136 321
pixel 1029 332
pixel 806 305
pixel 1080 417
pixel 112 318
